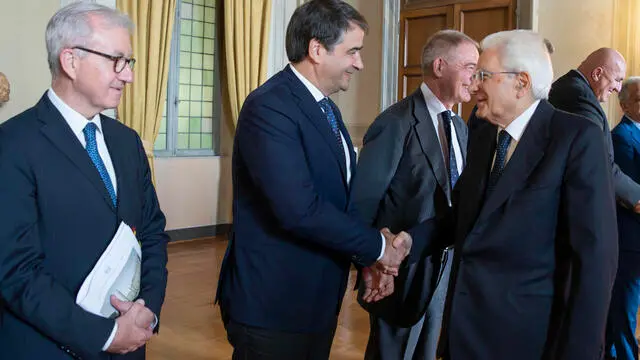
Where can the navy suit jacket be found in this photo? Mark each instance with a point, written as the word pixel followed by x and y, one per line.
pixel 295 232
pixel 626 148
pixel 552 208
pixel 56 220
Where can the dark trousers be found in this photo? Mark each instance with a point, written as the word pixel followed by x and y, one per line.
pixel 621 342
pixel 250 343
pixel 419 342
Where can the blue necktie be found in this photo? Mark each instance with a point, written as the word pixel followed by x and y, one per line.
pixel 504 139
pixel 333 122
pixel 453 164
pixel 92 149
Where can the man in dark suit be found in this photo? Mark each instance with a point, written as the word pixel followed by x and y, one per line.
pixel 295 232
pixel 412 156
pixel 621 325
pixel 581 91
pixel 69 177
pixel 535 197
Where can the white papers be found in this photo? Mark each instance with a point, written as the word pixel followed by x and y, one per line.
pixel 117 272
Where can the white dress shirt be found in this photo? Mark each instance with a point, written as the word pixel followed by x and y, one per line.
pixel 516 129
pixel 318 95
pixel 435 108
pixel 77 123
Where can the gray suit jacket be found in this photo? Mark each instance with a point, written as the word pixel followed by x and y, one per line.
pixel 401 182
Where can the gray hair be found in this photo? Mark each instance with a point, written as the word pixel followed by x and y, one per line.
pixel 623 95
pixel 524 51
pixel 441 44
pixel 71 26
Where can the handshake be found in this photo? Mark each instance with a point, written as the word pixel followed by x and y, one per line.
pixel 378 278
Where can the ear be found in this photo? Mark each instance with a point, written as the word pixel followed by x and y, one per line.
pixel 68 63
pixel 316 50
pixel 438 67
pixel 597 73
pixel 523 84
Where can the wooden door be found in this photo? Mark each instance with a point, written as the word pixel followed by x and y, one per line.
pixel 479 19
pixel 419 19
pixel 415 28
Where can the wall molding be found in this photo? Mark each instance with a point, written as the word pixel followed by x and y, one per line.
pixel 199 232
pixel 390 48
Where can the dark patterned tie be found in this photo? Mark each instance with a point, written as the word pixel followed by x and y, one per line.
pixel 504 139
pixel 333 122
pixel 92 149
pixel 453 164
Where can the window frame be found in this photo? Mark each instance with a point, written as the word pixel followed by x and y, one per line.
pixel 173 101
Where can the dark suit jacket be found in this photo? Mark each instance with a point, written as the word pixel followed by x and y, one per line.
pixel 552 206
pixel 287 264
pixel 626 147
pixel 56 220
pixel 403 181
pixel 572 93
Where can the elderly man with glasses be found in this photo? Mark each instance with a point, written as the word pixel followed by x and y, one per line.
pixel 70 176
pixel 535 199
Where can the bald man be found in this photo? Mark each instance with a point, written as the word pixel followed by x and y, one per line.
pixel 581 91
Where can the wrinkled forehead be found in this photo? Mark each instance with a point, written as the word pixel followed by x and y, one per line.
pixel 489 60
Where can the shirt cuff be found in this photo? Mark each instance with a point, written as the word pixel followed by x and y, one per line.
pixel 154 323
pixel 384 245
pixel 111 337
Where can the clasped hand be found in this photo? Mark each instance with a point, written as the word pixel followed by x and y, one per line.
pixel 378 278
pixel 134 326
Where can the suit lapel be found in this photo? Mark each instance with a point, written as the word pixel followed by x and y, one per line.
pixel 117 156
pixel 428 139
pixel 311 109
pixel 633 129
pixel 62 137
pixel 526 156
pixel 461 134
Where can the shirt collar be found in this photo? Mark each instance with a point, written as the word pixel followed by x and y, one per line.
pixel 315 92
pixel 76 121
pixel 517 126
pixel 434 104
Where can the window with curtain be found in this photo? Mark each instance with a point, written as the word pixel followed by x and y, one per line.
pixel 190 122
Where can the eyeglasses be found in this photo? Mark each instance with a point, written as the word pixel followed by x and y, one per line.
pixel 482 75
pixel 119 62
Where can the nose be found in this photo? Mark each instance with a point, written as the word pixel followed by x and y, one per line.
pixel 358 63
pixel 126 75
pixel 475 84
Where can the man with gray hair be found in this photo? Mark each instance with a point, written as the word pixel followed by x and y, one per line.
pixel 621 343
pixel 70 176
pixel 412 156
pixel 535 199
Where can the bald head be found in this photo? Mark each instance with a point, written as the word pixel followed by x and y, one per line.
pixel 605 69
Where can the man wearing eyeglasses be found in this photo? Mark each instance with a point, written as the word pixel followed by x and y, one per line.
pixel 69 177
pixel 535 199
pixel 581 91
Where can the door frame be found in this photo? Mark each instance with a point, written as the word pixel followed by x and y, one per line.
pixel 526 18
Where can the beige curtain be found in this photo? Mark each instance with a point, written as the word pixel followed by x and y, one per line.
pixel 142 103
pixel 246 26
pixel 626 39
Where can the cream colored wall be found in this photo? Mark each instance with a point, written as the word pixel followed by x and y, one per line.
pixel 576 28
pixel 361 103
pixel 24 56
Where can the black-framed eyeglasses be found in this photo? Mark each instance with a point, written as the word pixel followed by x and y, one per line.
pixel 119 62
pixel 482 75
